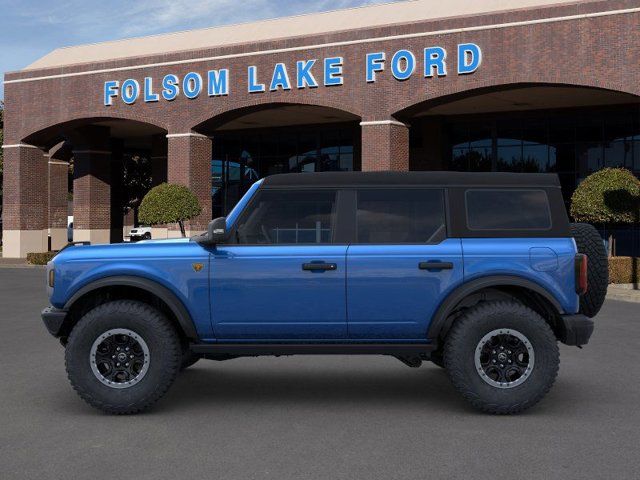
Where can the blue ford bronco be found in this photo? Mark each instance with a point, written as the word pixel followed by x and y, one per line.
pixel 480 273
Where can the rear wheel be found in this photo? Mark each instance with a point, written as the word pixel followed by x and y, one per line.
pixel 502 357
pixel 437 358
pixel 122 356
pixel 588 241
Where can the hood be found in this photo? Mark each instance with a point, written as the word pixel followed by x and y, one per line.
pixel 144 248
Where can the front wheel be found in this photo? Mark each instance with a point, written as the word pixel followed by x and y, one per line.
pixel 502 357
pixel 122 356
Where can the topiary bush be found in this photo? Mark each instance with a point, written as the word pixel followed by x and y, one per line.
pixel 169 203
pixel 609 196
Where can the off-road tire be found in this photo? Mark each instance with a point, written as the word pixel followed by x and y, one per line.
pixel 465 336
pixel 589 242
pixel 437 358
pixel 164 352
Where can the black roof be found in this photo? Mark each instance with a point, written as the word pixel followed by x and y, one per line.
pixel 482 179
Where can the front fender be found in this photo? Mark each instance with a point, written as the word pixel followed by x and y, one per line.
pixel 175 304
pixel 173 273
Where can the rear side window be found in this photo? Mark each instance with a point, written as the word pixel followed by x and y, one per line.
pixel 289 217
pixel 508 209
pixel 400 216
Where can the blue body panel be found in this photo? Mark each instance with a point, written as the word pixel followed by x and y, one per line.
pixel 262 292
pixel 167 262
pixel 548 262
pixel 389 297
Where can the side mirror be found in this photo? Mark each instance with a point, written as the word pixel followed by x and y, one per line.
pixel 217 231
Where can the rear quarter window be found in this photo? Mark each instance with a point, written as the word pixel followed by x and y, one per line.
pixel 507 209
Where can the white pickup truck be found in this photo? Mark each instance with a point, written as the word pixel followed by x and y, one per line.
pixel 140 233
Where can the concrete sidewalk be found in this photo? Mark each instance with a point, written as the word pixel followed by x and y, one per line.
pixel 16 263
pixel 626 292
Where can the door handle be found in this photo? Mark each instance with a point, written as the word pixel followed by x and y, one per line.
pixel 314 267
pixel 435 265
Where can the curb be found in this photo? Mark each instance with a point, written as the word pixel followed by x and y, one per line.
pixel 624 293
pixel 19 265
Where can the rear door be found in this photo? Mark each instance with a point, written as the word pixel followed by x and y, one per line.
pixel 401 265
pixel 285 278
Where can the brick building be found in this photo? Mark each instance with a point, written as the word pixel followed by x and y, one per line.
pixel 547 85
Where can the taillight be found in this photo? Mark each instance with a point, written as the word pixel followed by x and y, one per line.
pixel 581 273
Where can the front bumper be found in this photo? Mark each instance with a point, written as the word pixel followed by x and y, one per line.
pixel 575 330
pixel 53 319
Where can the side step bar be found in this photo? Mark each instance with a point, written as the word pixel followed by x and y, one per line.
pixel 259 349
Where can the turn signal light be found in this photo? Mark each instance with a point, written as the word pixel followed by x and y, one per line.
pixel 52 277
pixel 581 273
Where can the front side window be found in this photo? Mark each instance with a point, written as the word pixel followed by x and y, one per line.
pixel 510 209
pixel 400 216
pixel 289 217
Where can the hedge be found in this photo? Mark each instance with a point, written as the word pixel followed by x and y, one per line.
pixel 40 258
pixel 621 270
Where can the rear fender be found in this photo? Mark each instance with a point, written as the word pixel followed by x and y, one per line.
pixel 442 320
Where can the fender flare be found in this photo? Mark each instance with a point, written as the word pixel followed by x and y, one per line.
pixel 440 321
pixel 167 296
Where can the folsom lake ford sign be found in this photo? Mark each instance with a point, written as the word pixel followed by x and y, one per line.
pixel 310 73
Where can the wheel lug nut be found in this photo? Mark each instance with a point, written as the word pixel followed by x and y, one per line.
pixel 501 348
pixel 126 364
pixel 494 360
pixel 493 352
pixel 118 349
pixel 113 356
pixel 130 356
pixel 501 366
pixel 118 364
pixel 509 361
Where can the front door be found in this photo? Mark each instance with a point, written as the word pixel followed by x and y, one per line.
pixel 284 278
pixel 401 265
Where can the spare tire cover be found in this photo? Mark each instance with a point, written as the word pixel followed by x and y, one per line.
pixel 590 243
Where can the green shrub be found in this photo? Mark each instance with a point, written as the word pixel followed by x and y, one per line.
pixel 621 270
pixel 169 203
pixel 611 195
pixel 40 258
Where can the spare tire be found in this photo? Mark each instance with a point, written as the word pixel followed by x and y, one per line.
pixel 590 243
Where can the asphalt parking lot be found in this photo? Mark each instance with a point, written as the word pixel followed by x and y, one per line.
pixel 315 417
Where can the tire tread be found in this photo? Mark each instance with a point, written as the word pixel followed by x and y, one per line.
pixel 454 353
pixel 164 329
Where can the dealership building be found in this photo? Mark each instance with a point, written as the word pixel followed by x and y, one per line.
pixel 486 85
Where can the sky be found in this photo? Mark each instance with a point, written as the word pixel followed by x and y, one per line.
pixel 30 29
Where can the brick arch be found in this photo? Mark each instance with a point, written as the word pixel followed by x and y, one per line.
pixel 47 135
pixel 242 108
pixel 456 92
